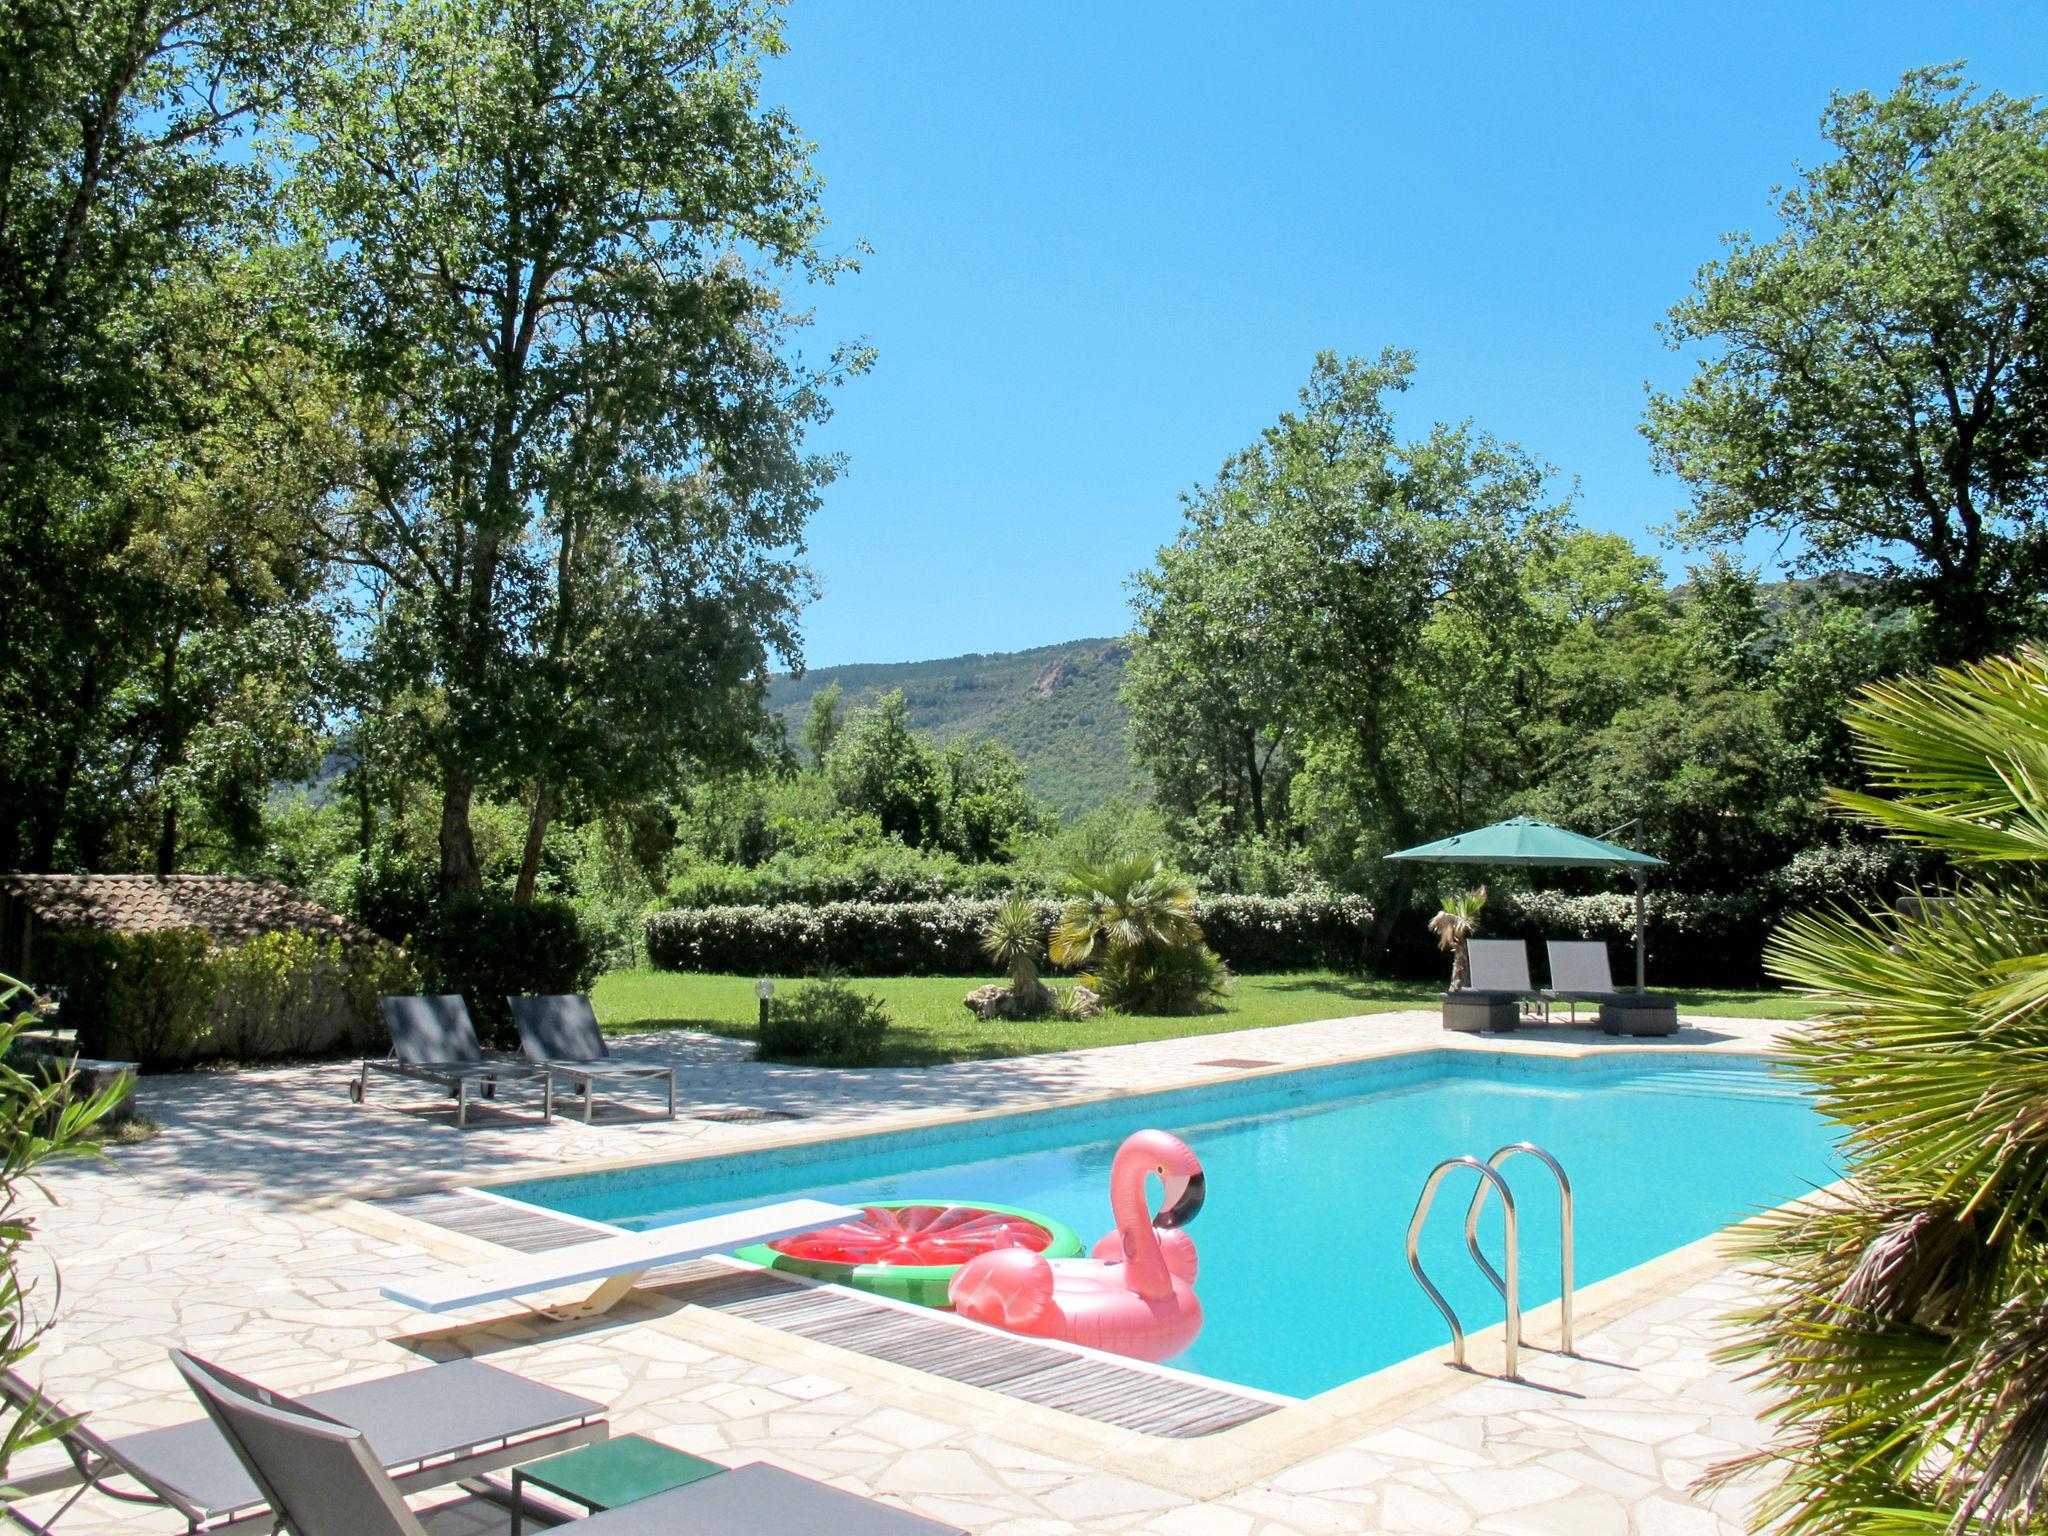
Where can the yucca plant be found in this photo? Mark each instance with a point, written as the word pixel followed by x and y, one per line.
pixel 1904 1337
pixel 1129 927
pixel 1454 928
pixel 1014 938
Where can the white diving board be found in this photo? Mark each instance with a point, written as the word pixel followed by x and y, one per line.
pixel 618 1262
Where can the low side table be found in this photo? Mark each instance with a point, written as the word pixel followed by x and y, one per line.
pixel 607 1474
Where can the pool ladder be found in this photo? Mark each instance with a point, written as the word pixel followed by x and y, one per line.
pixel 1509 1285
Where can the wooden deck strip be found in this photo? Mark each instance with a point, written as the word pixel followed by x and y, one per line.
pixel 1103 1390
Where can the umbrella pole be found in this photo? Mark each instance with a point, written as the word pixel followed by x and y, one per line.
pixel 1639 929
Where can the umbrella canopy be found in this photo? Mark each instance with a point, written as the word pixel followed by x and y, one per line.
pixel 1523 840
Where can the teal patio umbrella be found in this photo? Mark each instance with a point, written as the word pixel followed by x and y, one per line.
pixel 1523 840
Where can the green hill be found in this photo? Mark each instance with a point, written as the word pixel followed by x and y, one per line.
pixel 1056 707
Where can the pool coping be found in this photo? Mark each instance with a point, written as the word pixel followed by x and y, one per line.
pixel 1205 1467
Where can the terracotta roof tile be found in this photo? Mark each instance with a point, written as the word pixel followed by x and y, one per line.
pixel 226 906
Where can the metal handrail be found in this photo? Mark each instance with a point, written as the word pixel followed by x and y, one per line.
pixel 1564 1226
pixel 1510 1290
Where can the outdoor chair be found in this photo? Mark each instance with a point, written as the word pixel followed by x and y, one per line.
pixel 320 1475
pixel 1501 966
pixel 1580 973
pixel 433 1041
pixel 1501 994
pixel 560 1036
pixel 428 1428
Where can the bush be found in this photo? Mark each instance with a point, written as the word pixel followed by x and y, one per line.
pixel 943 938
pixel 883 872
pixel 826 1020
pixel 168 998
pixel 298 994
pixel 143 997
pixel 493 948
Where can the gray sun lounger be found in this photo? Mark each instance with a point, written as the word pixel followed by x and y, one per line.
pixel 560 1036
pixel 433 1041
pixel 318 1472
pixel 1581 973
pixel 427 1428
pixel 1500 967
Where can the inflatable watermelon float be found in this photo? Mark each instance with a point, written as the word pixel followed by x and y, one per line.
pixel 911 1250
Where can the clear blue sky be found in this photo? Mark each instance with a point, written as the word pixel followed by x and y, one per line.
pixel 1110 237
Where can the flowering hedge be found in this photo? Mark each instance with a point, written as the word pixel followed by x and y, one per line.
pixel 943 938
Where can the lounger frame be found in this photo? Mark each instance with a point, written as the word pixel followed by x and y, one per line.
pixel 95 1460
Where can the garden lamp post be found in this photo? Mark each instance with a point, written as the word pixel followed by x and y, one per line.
pixel 764 989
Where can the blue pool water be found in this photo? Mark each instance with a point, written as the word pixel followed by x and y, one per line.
pixel 1311 1180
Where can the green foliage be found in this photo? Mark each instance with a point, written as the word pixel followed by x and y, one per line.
pixel 1014 938
pixel 944 938
pixel 583 481
pixel 144 997
pixel 1901 1342
pixel 168 998
pixel 1055 707
pixel 1130 929
pixel 41 1118
pixel 880 768
pixel 493 948
pixel 1866 390
pixel 822 724
pixel 828 1021
pixel 299 994
pixel 148 597
pixel 1340 601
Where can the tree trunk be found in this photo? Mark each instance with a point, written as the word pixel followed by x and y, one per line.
pixel 56 800
pixel 460 878
pixel 536 833
pixel 173 751
pixel 1258 782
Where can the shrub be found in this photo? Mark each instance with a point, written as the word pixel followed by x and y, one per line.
pixel 493 948
pixel 168 998
pixel 143 997
pixel 1130 929
pixel 826 1020
pixel 297 994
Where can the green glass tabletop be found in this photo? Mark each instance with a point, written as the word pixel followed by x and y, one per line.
pixel 616 1471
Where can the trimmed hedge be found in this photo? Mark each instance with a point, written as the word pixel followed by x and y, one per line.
pixel 943 938
pixel 169 997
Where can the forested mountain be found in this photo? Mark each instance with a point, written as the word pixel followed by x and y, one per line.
pixel 1054 706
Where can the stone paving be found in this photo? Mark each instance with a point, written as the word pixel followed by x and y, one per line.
pixel 225 1233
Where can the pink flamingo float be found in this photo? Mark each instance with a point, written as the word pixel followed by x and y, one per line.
pixel 1135 1296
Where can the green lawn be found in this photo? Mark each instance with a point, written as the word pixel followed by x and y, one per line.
pixel 932 1026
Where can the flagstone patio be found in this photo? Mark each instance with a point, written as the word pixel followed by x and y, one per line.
pixel 233 1233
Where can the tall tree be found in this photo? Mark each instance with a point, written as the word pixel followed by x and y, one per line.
pixel 1383 581
pixel 118 204
pixel 557 230
pixel 1876 384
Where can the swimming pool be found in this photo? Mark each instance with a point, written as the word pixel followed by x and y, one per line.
pixel 1312 1176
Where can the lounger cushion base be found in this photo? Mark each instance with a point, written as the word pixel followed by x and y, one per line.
pixel 1474 1012
pixel 1643 1013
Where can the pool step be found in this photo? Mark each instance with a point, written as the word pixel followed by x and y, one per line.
pixel 1720 1084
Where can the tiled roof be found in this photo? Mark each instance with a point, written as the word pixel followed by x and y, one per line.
pixel 226 906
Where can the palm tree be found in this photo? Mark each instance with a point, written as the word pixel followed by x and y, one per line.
pixel 1454 928
pixel 1014 938
pixel 1130 928
pixel 1906 1334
